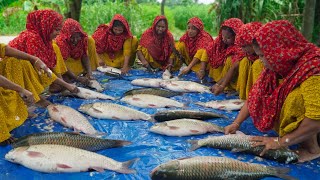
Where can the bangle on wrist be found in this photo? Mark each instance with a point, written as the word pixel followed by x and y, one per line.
pixel 236 123
pixel 218 84
pixel 278 141
pixel 36 62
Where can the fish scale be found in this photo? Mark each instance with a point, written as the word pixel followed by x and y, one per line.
pixel 241 143
pixel 209 167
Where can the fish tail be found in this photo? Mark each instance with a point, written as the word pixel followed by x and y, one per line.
pixel 194 145
pixel 282 173
pixel 151 119
pixel 125 166
pixel 120 143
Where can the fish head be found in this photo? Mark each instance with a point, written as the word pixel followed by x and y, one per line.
pixel 53 108
pixel 168 170
pixel 85 107
pixel 158 127
pixel 14 154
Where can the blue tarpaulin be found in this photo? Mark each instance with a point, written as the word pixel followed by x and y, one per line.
pixel 152 149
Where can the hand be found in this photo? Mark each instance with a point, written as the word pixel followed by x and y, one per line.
pixel 125 70
pixel 27 96
pixel 231 129
pixel 268 142
pixel 41 67
pixel 73 88
pixel 184 71
pixel 84 80
pixel 217 89
pixel 90 76
pixel 201 74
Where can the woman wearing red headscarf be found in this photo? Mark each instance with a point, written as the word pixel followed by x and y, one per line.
pixel 250 67
pixel 292 106
pixel 194 47
pixel 155 48
pixel 76 48
pixel 116 47
pixel 225 57
pixel 42 27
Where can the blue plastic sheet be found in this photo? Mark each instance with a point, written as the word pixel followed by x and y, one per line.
pixel 152 149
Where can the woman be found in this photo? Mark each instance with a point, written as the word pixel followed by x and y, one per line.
pixel 225 56
pixel 155 48
pixel 250 67
pixel 116 47
pixel 42 27
pixel 76 47
pixel 291 107
pixel 194 48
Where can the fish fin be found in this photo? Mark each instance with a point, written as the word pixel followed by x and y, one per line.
pixel 194 145
pixel 236 150
pixel 99 169
pixel 152 105
pixel 194 131
pixel 237 102
pixel 125 167
pixel 96 110
pixel 63 120
pixel 55 109
pixel 115 117
pixel 282 173
pixel 63 166
pixel 184 158
pixel 120 143
pixel 173 127
pixel 240 133
pixel 136 99
pixel 221 107
pixel 35 154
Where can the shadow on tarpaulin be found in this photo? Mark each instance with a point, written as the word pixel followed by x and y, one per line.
pixel 152 149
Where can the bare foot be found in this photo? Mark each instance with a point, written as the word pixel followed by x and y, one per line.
pixel 309 150
pixel 305 155
pixel 8 141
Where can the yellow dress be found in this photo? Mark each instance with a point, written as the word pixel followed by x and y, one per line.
pixel 60 67
pixel 303 101
pixel 254 73
pixel 130 46
pixel 201 54
pixel 244 70
pixel 218 73
pixel 22 73
pixel 75 65
pixel 155 64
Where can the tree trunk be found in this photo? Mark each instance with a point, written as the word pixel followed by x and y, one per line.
pixel 308 19
pixel 162 6
pixel 317 25
pixel 74 7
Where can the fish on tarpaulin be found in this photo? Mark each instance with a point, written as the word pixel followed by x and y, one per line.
pixel 151 101
pixel 241 143
pixel 51 158
pixel 69 139
pixel 220 168
pixel 153 91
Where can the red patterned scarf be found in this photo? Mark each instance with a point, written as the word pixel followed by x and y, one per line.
pixel 107 41
pixel 67 49
pixel 202 40
pixel 245 36
pixel 159 46
pixel 35 40
pixel 220 51
pixel 290 56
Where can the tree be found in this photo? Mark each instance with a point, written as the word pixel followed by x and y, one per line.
pixel 308 19
pixel 73 9
pixel 162 6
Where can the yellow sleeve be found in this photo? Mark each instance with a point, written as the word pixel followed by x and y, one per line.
pixel 310 90
pixel 139 48
pixel 202 55
pixel 60 67
pixel 2 50
pixel 127 47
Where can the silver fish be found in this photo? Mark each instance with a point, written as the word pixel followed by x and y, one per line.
pixel 151 101
pixel 185 127
pixel 108 69
pixel 69 139
pixel 89 94
pixel 228 105
pixel 220 168
pixel 95 85
pixel 147 82
pixel 113 111
pixel 241 143
pixel 152 91
pixel 184 86
pixel 52 158
pixel 176 114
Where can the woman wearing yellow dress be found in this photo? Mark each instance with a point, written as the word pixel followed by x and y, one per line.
pixel 76 48
pixel 41 28
pixel 155 46
pixel 116 47
pixel 194 46
pixel 290 107
pixel 250 67
pixel 225 56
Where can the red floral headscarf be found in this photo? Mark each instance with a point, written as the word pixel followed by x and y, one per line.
pixel 245 36
pixel 291 56
pixel 67 49
pixel 107 41
pixel 202 40
pixel 159 46
pixel 35 40
pixel 219 50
